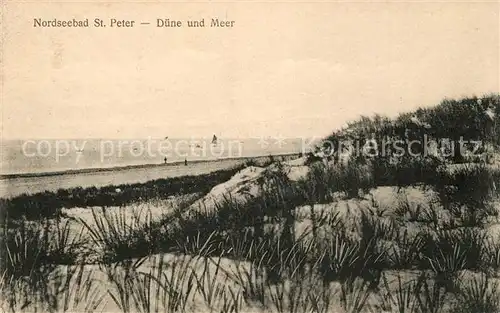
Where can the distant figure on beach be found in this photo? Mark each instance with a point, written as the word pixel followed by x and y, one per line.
pixel 165 160
pixel 185 162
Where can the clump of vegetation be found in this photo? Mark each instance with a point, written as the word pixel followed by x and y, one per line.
pixel 408 171
pixel 479 294
pixel 467 192
pixel 30 255
pixel 452 121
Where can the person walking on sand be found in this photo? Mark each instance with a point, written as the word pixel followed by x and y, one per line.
pixel 165 160
pixel 185 162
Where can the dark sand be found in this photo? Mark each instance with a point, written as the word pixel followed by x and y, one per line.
pixel 13 185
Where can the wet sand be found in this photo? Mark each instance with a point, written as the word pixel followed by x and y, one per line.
pixel 13 185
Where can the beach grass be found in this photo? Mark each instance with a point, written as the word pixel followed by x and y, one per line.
pixel 275 251
pixel 276 268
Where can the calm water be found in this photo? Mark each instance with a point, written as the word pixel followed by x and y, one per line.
pixel 37 156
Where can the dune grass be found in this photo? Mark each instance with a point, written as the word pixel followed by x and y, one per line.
pixel 252 255
pixel 274 268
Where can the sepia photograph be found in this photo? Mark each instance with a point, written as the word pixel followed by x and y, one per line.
pixel 250 156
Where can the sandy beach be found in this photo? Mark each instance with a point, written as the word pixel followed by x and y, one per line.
pixel 13 185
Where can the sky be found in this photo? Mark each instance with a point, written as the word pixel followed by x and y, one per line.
pixel 292 69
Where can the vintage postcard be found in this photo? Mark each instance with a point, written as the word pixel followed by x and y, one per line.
pixel 250 156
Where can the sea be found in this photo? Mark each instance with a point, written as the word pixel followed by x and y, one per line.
pixel 57 155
